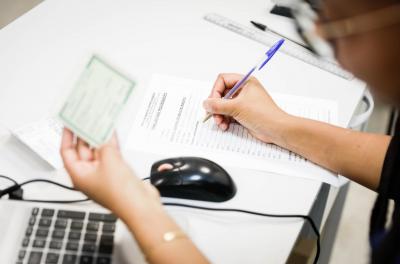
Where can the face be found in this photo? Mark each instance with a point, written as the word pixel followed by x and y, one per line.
pixel 373 56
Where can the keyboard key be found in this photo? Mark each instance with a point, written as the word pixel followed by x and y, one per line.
pixel 71 214
pixel 103 260
pixel 52 258
pixel 69 259
pixel 42 233
pixel 92 226
pixel 57 233
pixel 106 248
pixel 107 239
pixel 89 247
pixel 102 217
pixel 74 235
pixel 39 243
pixel 106 244
pixel 25 242
pixel 56 244
pixel 48 212
pixel 109 228
pixel 72 246
pixel 110 218
pixel 86 260
pixel 35 257
pixel 90 237
pixel 61 223
pixel 35 211
pixel 21 254
pixel 76 225
pixel 95 217
pixel 32 220
pixel 28 231
pixel 45 222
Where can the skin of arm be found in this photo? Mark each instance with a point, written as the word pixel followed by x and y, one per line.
pixel 148 226
pixel 104 176
pixel 356 155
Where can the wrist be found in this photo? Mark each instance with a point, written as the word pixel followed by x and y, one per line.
pixel 148 222
pixel 136 203
pixel 280 127
pixel 133 196
pixel 145 212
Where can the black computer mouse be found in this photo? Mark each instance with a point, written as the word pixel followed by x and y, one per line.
pixel 192 178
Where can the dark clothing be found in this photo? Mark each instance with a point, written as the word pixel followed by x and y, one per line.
pixel 385 241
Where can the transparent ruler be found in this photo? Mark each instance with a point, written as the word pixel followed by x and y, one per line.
pixel 269 38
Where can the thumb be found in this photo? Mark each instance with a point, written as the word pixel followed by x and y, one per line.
pixel 219 106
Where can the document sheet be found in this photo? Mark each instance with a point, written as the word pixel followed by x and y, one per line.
pixel 44 138
pixel 170 122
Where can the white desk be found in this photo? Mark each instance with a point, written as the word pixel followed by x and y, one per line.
pixel 43 52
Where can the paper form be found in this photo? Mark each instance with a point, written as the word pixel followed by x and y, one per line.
pixel 44 138
pixel 170 122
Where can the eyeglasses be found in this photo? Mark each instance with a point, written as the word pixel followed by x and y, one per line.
pixel 317 35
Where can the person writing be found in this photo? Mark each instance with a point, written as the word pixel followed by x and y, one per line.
pixel 364 35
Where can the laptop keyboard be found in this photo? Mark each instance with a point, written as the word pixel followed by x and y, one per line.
pixel 67 237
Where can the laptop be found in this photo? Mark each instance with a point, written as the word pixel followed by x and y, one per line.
pixel 63 234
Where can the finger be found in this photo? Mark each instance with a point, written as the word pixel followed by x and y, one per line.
pixel 219 106
pixel 114 142
pixel 225 123
pixel 224 126
pixel 112 146
pixel 109 154
pixel 224 82
pixel 218 119
pixel 228 120
pixel 96 154
pixel 67 139
pixel 68 152
pixel 84 151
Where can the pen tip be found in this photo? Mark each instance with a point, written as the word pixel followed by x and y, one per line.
pixel 206 118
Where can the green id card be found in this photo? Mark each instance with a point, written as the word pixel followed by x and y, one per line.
pixel 96 101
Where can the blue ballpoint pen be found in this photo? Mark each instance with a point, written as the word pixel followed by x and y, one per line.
pixel 269 54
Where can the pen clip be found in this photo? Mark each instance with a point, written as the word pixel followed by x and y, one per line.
pixel 270 53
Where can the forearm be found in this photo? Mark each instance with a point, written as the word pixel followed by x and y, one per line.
pixel 148 225
pixel 356 155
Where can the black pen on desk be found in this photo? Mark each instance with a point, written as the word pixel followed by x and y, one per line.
pixel 265 28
